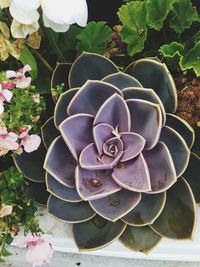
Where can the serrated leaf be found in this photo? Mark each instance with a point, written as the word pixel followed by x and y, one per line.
pixel 134 31
pixel 172 49
pixel 192 60
pixel 94 38
pixel 184 15
pixel 157 11
pixel 26 57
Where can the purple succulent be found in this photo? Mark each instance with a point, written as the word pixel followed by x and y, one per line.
pixel 117 149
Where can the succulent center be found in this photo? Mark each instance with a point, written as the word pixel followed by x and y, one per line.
pixel 112 147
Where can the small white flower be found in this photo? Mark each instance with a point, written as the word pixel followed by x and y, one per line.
pixel 36 98
pixel 5 3
pixel 57 14
pixel 25 11
pixel 60 14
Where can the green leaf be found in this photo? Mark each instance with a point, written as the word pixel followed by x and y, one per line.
pixel 94 38
pixel 184 15
pixel 68 40
pixel 191 60
pixel 26 57
pixel 141 239
pixel 42 83
pixel 134 31
pixel 53 38
pixel 5 252
pixel 172 49
pixel 157 11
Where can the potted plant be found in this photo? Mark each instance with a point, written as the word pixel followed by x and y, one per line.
pixel 116 103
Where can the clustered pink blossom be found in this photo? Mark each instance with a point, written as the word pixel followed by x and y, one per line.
pixel 12 141
pixel 5 96
pixel 20 79
pixel 29 142
pixel 8 141
pixel 39 249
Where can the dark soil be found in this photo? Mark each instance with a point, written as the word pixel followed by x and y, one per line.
pixel 188 88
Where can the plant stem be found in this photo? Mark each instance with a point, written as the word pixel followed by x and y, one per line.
pixel 54 45
pixel 43 60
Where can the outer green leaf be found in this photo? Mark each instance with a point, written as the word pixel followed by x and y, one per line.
pixel 172 49
pixel 184 15
pixel 26 57
pixel 141 239
pixel 178 217
pixel 134 32
pixel 196 146
pixel 157 11
pixel 94 38
pixel 96 233
pixel 192 60
pixel 192 175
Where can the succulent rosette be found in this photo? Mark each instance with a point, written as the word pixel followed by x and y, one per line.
pixel 118 160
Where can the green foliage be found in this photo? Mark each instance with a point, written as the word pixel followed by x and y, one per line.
pixel 23 110
pixel 184 15
pixel 168 27
pixel 157 11
pixel 176 53
pixel 171 50
pixel 191 60
pixel 94 38
pixel 26 57
pixel 68 40
pixel 134 32
pixel 13 192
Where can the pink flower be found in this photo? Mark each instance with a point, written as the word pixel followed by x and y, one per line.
pixel 20 78
pixel 5 95
pixel 8 141
pixel 39 249
pixel 8 85
pixel 29 142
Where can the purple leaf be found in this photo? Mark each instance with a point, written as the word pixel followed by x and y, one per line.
pixel 95 184
pixel 146 120
pixel 122 80
pixel 145 94
pixel 60 163
pixel 90 97
pixel 60 112
pixel 161 168
pixel 112 147
pixel 101 133
pixel 117 205
pixel 77 132
pixel 133 175
pixel 91 160
pixel 90 66
pixel 115 113
pixel 133 145
pixel 177 148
